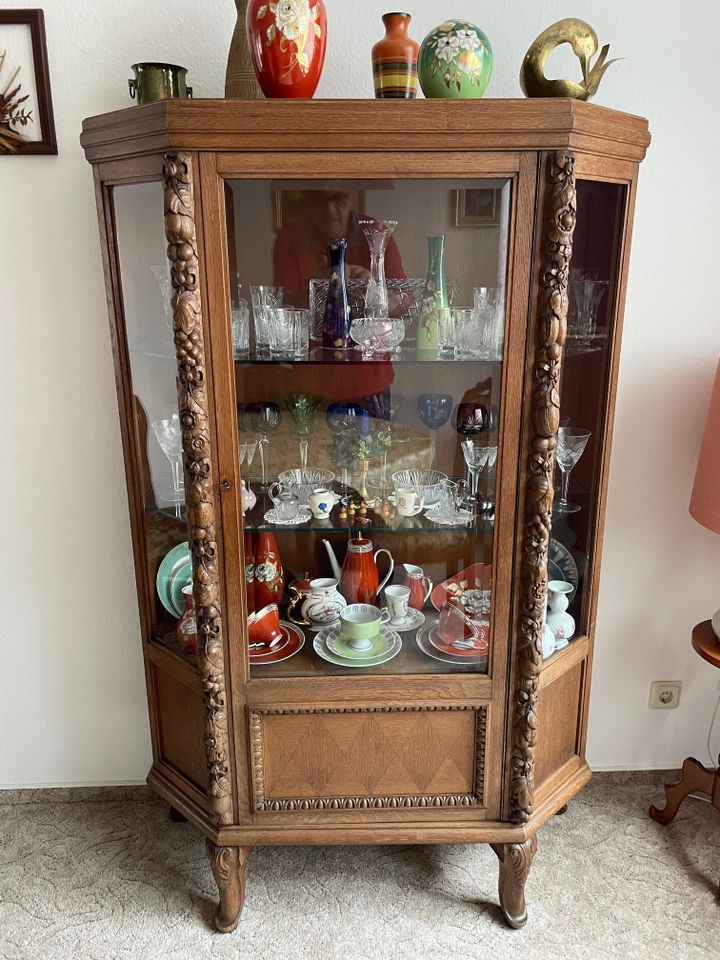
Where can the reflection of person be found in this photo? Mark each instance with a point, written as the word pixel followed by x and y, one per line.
pixel 301 250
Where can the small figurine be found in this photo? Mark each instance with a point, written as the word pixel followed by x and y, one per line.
pixel 584 42
pixel 343 514
pixel 363 508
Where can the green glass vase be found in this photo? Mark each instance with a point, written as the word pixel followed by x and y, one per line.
pixel 435 298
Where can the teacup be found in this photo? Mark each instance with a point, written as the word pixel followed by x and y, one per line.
pixel 409 502
pixel 397 599
pixel 456 628
pixel 360 623
pixel 264 627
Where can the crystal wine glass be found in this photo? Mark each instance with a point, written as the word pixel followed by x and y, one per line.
pixel 377 233
pixel 571 443
pixel 247 453
pixel 162 275
pixel 434 409
pixel 263 418
pixel 169 436
pixel 476 457
pixel 302 407
pixel 341 418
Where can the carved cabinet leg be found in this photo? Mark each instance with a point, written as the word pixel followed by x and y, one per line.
pixel 228 867
pixel 515 860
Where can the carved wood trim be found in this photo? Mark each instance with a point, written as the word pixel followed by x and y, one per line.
pixel 560 213
pixel 193 405
pixel 263 804
pixel 228 867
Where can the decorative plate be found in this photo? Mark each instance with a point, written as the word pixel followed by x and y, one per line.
pixel 386 639
pixel 170 564
pixel 476 577
pixel 296 641
pixel 322 651
pixel 302 516
pixel 463 518
pixel 562 566
pixel 429 650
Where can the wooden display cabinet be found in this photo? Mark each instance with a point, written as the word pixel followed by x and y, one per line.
pixel 534 198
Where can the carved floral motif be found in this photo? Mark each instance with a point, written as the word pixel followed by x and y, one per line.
pixel 545 415
pixel 200 498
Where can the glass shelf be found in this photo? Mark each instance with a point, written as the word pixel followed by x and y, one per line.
pixel 322 355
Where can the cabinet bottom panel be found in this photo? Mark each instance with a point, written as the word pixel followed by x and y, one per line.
pixel 368 758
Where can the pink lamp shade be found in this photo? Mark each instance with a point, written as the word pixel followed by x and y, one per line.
pixel 705 499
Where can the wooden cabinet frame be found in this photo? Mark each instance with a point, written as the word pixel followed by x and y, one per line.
pixel 543 147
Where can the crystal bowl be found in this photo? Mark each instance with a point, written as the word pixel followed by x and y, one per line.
pixel 377 334
pixel 428 483
pixel 307 480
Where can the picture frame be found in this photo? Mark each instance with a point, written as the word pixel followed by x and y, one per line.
pixel 288 206
pixel 477 207
pixel 25 91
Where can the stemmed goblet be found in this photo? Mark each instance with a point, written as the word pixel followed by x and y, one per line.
pixel 571 443
pixel 302 407
pixel 476 457
pixel 263 418
pixel 434 409
pixel 169 436
pixel 342 417
pixel 471 420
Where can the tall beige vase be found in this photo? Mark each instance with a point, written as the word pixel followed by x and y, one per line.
pixel 240 80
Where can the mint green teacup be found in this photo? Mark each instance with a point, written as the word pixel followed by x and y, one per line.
pixel 360 623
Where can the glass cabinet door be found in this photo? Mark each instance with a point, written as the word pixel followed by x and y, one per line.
pixel 368 330
pixel 586 371
pixel 154 420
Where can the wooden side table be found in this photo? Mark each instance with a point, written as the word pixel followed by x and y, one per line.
pixel 695 777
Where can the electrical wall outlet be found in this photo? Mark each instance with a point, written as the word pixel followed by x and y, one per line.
pixel 664 694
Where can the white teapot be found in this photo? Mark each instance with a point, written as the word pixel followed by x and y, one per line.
pixel 323 606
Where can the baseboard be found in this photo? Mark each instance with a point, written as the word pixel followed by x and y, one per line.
pixel 634 768
pixel 70 784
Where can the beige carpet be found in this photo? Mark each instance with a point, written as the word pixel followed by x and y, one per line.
pixel 104 874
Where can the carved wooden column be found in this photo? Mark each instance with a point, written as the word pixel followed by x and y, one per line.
pixel 228 867
pixel 541 441
pixel 515 862
pixel 200 485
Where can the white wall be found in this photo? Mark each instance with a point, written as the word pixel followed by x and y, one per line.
pixel 72 697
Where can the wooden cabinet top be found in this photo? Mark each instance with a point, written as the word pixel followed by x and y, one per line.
pixel 367 125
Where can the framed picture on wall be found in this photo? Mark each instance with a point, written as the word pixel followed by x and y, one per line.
pixel 26 114
pixel 478 207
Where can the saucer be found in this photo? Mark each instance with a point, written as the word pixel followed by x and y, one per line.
pixel 322 651
pixel 302 516
pixel 413 621
pixel 423 642
pixel 295 641
pixel 340 646
pixel 479 648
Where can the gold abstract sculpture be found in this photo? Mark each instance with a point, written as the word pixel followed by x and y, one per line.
pixel 584 42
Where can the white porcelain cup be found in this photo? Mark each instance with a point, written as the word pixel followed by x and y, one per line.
pixel 409 502
pixel 397 599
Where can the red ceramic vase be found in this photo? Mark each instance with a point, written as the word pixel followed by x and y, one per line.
pixel 287 40
pixel 268 571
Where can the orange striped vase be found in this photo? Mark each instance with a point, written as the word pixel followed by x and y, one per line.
pixel 394 60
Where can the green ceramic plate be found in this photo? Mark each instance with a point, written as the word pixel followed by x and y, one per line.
pixel 179 579
pixel 173 561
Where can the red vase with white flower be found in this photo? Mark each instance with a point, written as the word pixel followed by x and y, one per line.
pixel 287 41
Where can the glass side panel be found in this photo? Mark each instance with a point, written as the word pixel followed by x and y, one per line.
pixel 585 373
pixel 146 293
pixel 361 368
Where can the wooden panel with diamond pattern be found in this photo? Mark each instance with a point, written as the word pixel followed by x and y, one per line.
pixel 368 758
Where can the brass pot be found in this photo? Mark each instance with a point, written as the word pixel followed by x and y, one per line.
pixel 158 81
